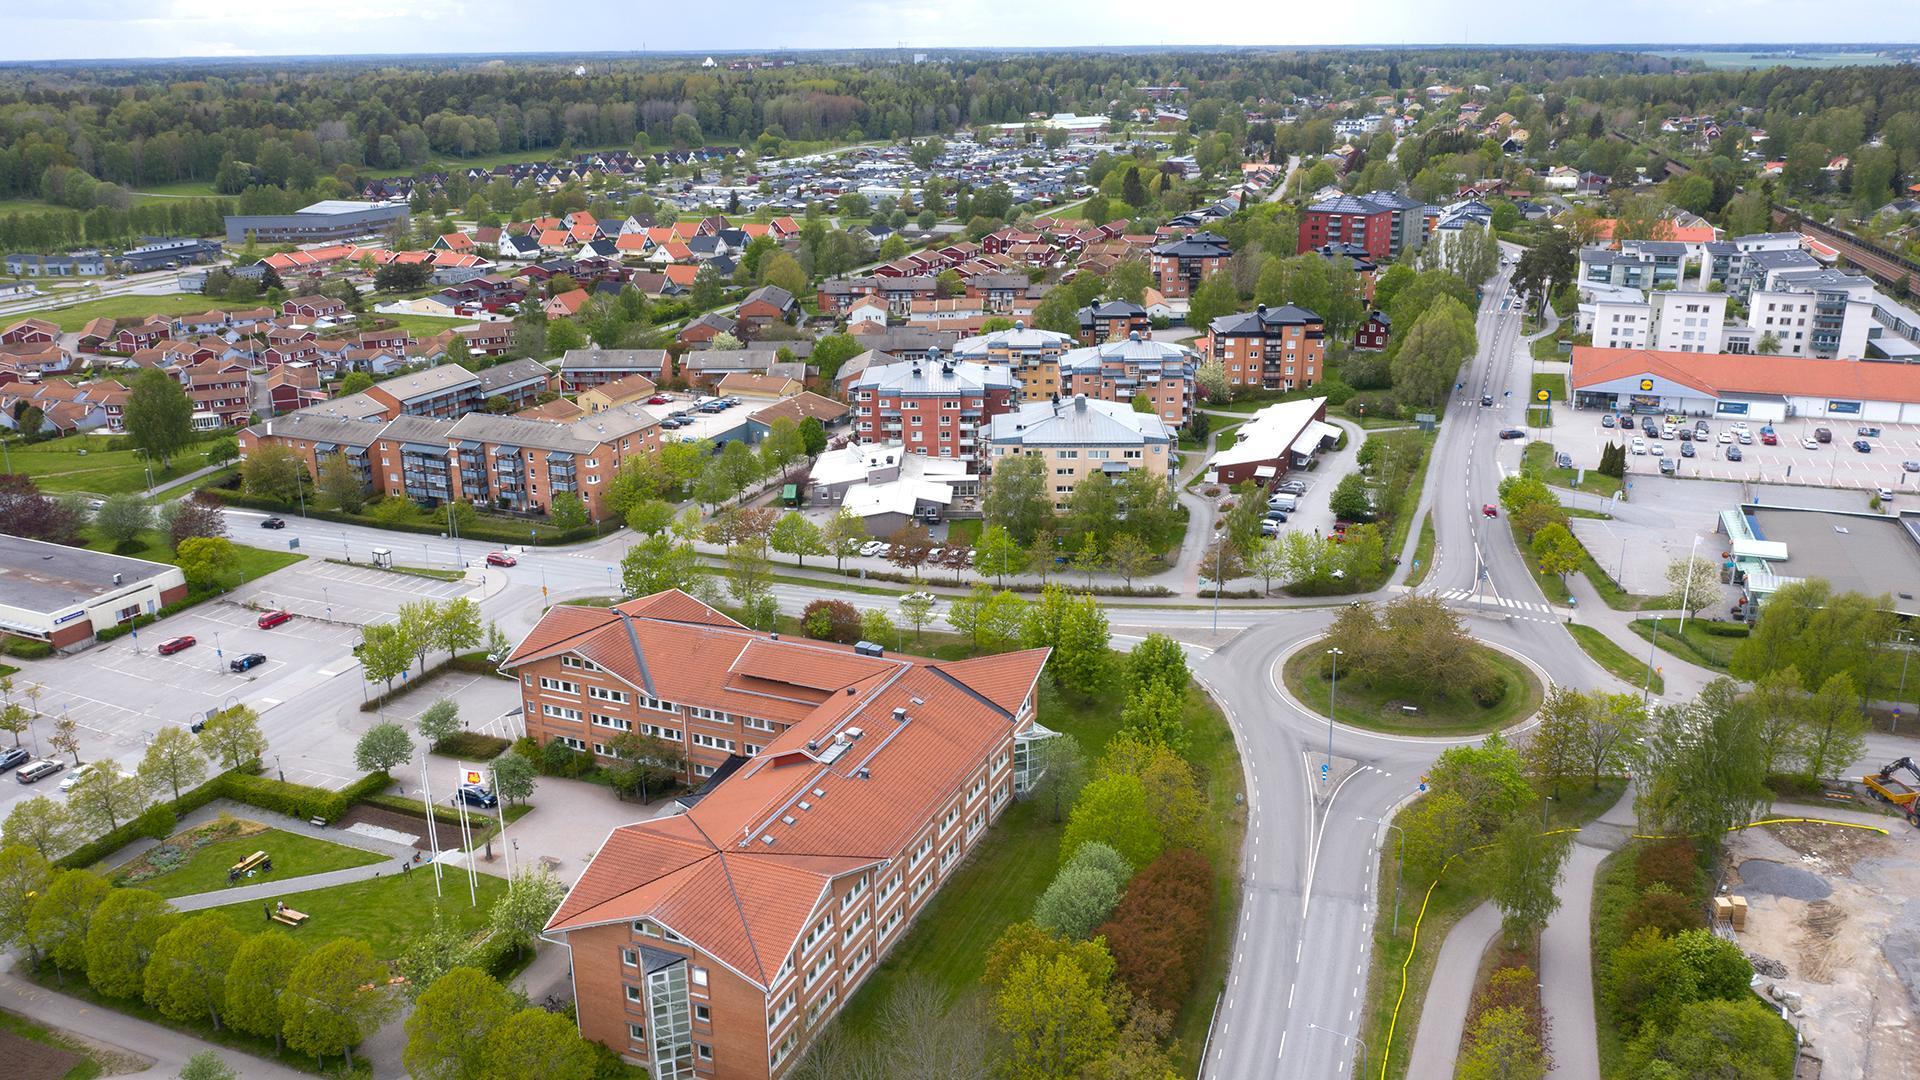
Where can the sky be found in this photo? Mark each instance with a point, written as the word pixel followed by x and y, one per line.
pixel 109 29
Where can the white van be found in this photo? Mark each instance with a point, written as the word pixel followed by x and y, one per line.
pixel 1283 501
pixel 1639 445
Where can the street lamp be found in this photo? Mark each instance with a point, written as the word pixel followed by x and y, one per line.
pixel 1400 863
pixel 1333 687
pixel 1343 1037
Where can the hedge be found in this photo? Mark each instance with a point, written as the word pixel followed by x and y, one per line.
pixel 25 648
pixel 195 595
pixel 471 745
pixel 491 532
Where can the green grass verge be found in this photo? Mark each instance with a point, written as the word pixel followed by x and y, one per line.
pixel 1695 646
pixel 1000 880
pixel 1455 894
pixel 85 1069
pixel 1537 459
pixel 415 571
pixel 129 306
pixel 1539 417
pixel 1379 710
pixel 963 532
pixel 1618 662
pixel 109 465
pixel 248 562
pixel 1547 349
pixel 293 856
pixel 1554 382
pixel 1422 552
pixel 420 325
pixel 382 911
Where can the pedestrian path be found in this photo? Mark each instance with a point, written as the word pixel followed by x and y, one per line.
pixel 1566 945
pixel 1443 1016
pixel 267 890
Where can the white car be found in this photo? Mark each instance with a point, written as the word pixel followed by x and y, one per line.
pixel 1639 445
pixel 871 547
pixel 80 773
pixel 1726 436
pixel 1746 438
pixel 1885 493
pixel 1807 443
pixel 1740 426
pixel 927 596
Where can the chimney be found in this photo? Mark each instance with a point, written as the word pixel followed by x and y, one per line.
pixel 1079 403
pixel 899 715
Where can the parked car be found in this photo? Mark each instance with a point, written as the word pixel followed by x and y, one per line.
pixel 1733 453
pixel 1638 446
pixel 475 795
pixel 1563 460
pixel 1911 466
pixel 174 645
pixel 871 547
pixel 1668 466
pixel 1686 449
pixel 1740 426
pixel 1806 442
pixel 79 775
pixel 658 399
pixel 1700 429
pixel 1606 420
pixel 35 771
pixel 1869 432
pixel 1292 487
pixel 14 755
pixel 1885 493
pixel 246 662
pixel 1824 435
pixel 1686 434
pixel 1512 433
pixel 1863 446
pixel 1276 515
pixel 273 523
pixel 501 558
pixel 1746 438
pixel 1269 528
pixel 274 618
pixel 1726 436
pixel 1768 438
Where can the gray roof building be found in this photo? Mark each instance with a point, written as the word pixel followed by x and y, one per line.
pixel 1077 423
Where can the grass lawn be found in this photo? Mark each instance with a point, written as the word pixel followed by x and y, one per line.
pixel 382 911
pixel 127 306
pixel 1618 662
pixel 199 189
pixel 1696 646
pixel 1539 417
pixel 293 856
pixel 999 882
pixel 85 1069
pixel 1422 931
pixel 248 563
pixel 1378 709
pixel 1402 515
pixel 1422 552
pixel 963 532
pixel 422 325
pixel 1537 459
pixel 109 466
pixel 1554 383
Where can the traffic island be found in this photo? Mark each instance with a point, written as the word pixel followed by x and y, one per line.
pixel 1508 693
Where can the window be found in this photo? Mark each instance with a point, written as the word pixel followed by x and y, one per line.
pixel 577 744
pixel 559 685
pixel 751 750
pixel 560 712
pixel 858 924
pixel 646 702
pixel 711 743
pixel 636 1032
pixel 629 958
pixel 781 1010
pixel 572 661
pixel 818 968
pixel 601 693
pixel 920 852
pixel 755 724
pixel 613 722
pixel 819 931
pixel 858 890
pixel 786 1047
pixel 645 928
pixel 658 732
pixel 706 1052
pixel 703 1014
pixel 593 463
pixel 633 993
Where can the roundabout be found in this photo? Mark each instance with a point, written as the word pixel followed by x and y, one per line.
pixel 1511 690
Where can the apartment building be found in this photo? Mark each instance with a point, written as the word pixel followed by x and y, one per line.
pixel 844 787
pixel 518 381
pixel 447 391
pixel 1080 437
pixel 1689 322
pixel 1113 319
pixel 1136 366
pixel 1032 355
pixel 1179 266
pixel 1277 348
pixel 1383 223
pixel 937 406
pixel 582 368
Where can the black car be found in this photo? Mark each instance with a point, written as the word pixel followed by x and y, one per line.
pixel 14 756
pixel 1686 449
pixel 1863 446
pixel 1733 453
pixel 273 523
pixel 1512 433
pixel 1486 400
pixel 248 662
pixel 475 795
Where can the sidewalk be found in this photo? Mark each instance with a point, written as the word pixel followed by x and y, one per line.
pixel 1443 1017
pixel 1566 946
pixel 267 890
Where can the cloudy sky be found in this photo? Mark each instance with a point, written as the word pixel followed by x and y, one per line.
pixel 101 29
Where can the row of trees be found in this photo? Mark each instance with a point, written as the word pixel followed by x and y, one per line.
pixel 423 627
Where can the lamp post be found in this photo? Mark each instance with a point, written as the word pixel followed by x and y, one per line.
pixel 1653 640
pixel 1686 589
pixel 1343 1038
pixel 1906 654
pixel 1400 863
pixel 1333 688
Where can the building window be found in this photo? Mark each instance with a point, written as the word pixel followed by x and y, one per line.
pixel 561 686
pixel 703 1014
pixel 633 993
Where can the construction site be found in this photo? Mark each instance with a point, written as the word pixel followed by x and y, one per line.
pixel 1831 921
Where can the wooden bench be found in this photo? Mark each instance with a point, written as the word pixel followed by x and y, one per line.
pixel 259 860
pixel 290 917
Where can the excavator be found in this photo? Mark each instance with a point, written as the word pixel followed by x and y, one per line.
pixel 1903 797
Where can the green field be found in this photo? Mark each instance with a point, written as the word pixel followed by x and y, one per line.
pixel 1380 709
pixel 108 466
pixel 1537 459
pixel 293 856
pixel 422 325
pixel 1723 61
pixel 1696 646
pixel 1618 662
pixel 381 911
pixel 249 562
pixel 76 316
pixel 198 189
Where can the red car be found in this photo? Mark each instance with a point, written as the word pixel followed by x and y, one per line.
pixel 1768 438
pixel 658 399
pixel 501 558
pixel 1490 510
pixel 174 645
pixel 274 618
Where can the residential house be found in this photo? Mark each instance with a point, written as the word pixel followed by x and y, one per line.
pixel 622 391
pixel 1275 348
pixel 582 368
pixel 1081 437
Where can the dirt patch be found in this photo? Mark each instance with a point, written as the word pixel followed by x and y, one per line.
pixel 1765 876
pixel 1819 925
pixel 410 824
pixel 29 1060
pixel 1827 850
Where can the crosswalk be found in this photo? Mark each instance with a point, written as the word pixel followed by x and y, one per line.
pixel 1498 601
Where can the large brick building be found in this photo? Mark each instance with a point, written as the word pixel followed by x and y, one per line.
pixel 1384 224
pixel 1275 348
pixel 1179 266
pixel 1132 367
pixel 845 787
pixel 1032 355
pixel 938 406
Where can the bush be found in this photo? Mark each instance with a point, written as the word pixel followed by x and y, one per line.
pixel 1488 690
pixel 1672 863
pixel 832 620
pixel 25 648
pixel 472 746
pixel 1080 897
pixel 1663 909
pixel 1373 404
pixel 492 530
pixel 1159 931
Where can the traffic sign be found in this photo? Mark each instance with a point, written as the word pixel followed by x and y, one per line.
pixel 1544 394
pixel 1323 771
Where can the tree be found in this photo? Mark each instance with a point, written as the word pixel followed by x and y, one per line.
pixel 1018 497
pixel 644 764
pixel 256 979
pixel 998 553
pixel 207 1065
pixel 1742 1038
pixel 340 484
pixel 121 936
pixel 106 796
pixel 1157 658
pixel 1432 350
pixel 794 535
pixel 456 626
pixel 440 722
pixel 1556 551
pixel 909 548
pixel 842 536
pixel 1128 556
pixel 1702 765
pixel 42 824
pixel 513 778
pixel 1055 1016
pixel 813 436
pixel 1555 749
pixel 384 746
pixel 831 351
pixel 1157 932
pixel 232 736
pixel 1526 866
pixel 355 382
pixel 158 415
pixel 659 563
pixel 566 511
pixel 1693 582
pixel 57 925
pixel 535 1042
pixel 24 511
pixel 333 999
pixel 274 471
pixel 1154 712
pixel 1214 298
pixel 916 609
pixel 783 447
pixel 24 874
pixel 447 1030
pixel 649 516
pixel 1502 1045
pixel 531 898
pixel 186 976
pixel 1835 729
pixel 173 759
pixel 206 560
pixel 197 515
pixel 1080 897
pixel 1113 810
pixel 1211 378
pixel 121 518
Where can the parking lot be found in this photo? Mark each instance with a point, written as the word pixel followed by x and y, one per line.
pixel 1581 434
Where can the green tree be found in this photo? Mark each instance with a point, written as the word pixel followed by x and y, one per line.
pixel 333 999
pixel 446 1033
pixel 567 511
pixel 1743 1039
pixel 1155 712
pixel 173 760
pixel 1081 656
pixel 106 797
pixel 206 560
pixel 340 484
pixel 42 824
pixel 1349 500
pixel 24 875
pixel 384 746
pixel 57 925
pixel 159 415
pixel 513 778
pixel 1113 810
pixel 440 722
pixel 998 553
pixel 1702 765
pixel 916 609
pixel 1836 731
pixel 843 535
pixel 649 516
pixel 187 974
pixel 1526 865
pixel 1432 351
pixel 1556 551
pixel 1214 298
pixel 275 472
pixel 1019 497
pixel 535 1042
pixel 256 979
pixel 232 737
pixel 355 382
pixel 794 535
pixel 1078 899
pixel 1055 1016
pixel 121 937
pixel 1502 1046
pixel 121 518
pixel 659 563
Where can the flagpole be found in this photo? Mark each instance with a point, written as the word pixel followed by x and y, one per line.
pixel 500 804
pixel 433 832
pixel 466 845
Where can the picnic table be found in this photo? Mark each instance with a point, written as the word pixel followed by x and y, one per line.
pixel 259 860
pixel 288 916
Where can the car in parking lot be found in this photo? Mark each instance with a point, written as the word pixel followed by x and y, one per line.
pixel 273 523
pixel 658 399
pixel 1700 430
pixel 1606 420
pixel 1884 493
pixel 475 795
pixel 1512 433
pixel 1292 487
pixel 871 547
pixel 174 645
pixel 1563 460
pixel 274 618
pixel 14 755
pixel 1863 446
pixel 246 662
pixel 1911 466
pixel 1277 515
pixel 35 771
pixel 1726 436
pixel 1668 466
pixel 1746 438
pixel 1824 435
pixel 1686 449
pixel 1740 425
pixel 501 558
pixel 1868 432
pixel 1733 453
pixel 1639 445
pixel 80 773
pixel 1768 437
pixel 1269 528
pixel 1807 443
pixel 1686 434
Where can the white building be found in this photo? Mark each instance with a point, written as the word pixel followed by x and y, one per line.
pixel 888 488
pixel 65 595
pixel 1688 322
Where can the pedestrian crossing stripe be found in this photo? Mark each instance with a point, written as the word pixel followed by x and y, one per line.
pixel 1467 594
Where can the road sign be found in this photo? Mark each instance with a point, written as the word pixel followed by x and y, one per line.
pixel 1544 395
pixel 1324 767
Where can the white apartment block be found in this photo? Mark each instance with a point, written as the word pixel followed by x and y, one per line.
pixel 1688 321
pixel 1622 324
